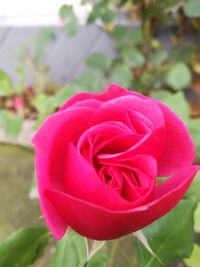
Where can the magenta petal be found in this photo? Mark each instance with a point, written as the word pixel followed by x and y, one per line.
pixel 118 109
pixel 178 151
pixel 44 140
pixel 113 91
pixel 151 144
pixel 54 220
pixel 81 181
pixel 99 223
pixel 174 182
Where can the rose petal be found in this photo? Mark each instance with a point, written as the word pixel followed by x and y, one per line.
pixel 140 123
pixel 151 143
pixel 118 109
pixel 113 91
pixel 44 139
pixel 82 181
pixel 178 152
pixel 99 223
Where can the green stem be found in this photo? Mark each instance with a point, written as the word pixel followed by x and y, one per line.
pixel 112 253
pixel 146 28
pixel 126 258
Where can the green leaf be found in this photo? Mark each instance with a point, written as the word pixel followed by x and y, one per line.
pixel 119 33
pixel 158 57
pixel 135 36
pixel 179 76
pixel 23 247
pixel 108 15
pixel 6 87
pixel 194 190
pixel 62 95
pixel 92 247
pixel 67 14
pixel 95 14
pixel 3 118
pixel 90 81
pixel 179 105
pixel 70 251
pixel 133 57
pixel 122 75
pixel 169 237
pixel 194 129
pixel 14 125
pixel 192 8
pixel 194 260
pixel 141 237
pixel 197 219
pixel 41 103
pixel 161 94
pixel 99 61
pixel 100 259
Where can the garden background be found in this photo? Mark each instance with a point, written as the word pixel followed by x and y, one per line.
pixel 150 46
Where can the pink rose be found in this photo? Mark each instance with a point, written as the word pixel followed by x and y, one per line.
pixel 98 159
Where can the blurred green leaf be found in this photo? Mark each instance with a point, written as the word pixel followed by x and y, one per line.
pixel 70 251
pixel 179 76
pixel 194 129
pixel 108 15
pixel 160 94
pixel 41 103
pixel 194 260
pixel 192 8
pixel 147 79
pixel 179 105
pixel 194 190
pixel 43 38
pixel 169 237
pixel 6 87
pixel 100 259
pixel 122 75
pixel 134 36
pixel 99 61
pixel 62 95
pixel 95 13
pixel 133 57
pixel 3 117
pixel 23 247
pixel 67 14
pixel 158 57
pixel 89 81
pixel 14 125
pixel 197 218
pixel 119 33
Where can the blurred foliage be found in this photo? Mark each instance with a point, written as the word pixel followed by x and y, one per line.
pixel 156 53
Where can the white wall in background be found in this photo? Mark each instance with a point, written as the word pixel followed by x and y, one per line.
pixel 35 12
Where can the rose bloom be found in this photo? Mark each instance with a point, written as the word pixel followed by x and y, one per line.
pixel 98 160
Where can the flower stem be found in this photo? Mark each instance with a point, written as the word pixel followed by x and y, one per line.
pixel 113 251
